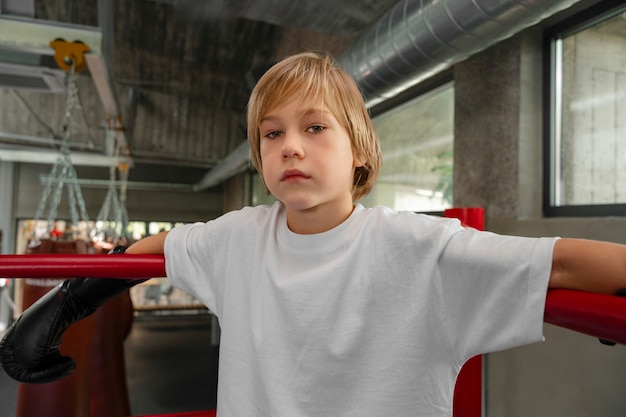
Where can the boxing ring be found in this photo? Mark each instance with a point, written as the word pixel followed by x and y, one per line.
pixel 597 315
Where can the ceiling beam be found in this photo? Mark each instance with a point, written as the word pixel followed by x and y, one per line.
pixel 50 157
pixel 35 35
pixel 237 161
pixel 129 185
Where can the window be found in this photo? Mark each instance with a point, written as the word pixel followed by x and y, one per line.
pixel 30 229
pixel 587 129
pixel 417 144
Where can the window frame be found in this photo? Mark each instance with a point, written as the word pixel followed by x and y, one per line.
pixel 433 83
pixel 576 23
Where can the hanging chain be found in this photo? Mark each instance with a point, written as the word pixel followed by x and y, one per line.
pixel 112 220
pixel 63 172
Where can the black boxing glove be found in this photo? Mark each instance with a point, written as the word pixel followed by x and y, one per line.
pixel 29 351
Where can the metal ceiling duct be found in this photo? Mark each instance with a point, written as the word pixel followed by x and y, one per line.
pixel 420 38
pixel 417 39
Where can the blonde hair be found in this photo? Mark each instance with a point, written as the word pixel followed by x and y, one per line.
pixel 317 76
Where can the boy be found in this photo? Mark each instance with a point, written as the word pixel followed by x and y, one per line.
pixel 331 309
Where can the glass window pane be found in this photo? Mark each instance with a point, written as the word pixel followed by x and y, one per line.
pixel 155 228
pixel 417 142
pixel 590 133
pixel 136 230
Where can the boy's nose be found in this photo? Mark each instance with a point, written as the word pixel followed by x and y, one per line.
pixel 292 147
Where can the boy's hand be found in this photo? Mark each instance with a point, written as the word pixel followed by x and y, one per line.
pixel 54 367
pixel 29 351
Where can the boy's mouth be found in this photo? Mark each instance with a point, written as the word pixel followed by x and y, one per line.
pixel 292 175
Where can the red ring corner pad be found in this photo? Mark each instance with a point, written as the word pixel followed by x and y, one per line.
pixel 208 413
pixel 599 315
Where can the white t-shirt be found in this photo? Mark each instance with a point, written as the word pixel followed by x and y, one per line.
pixel 372 318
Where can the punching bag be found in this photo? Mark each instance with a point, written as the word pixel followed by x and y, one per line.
pixel 109 388
pixel 69 396
pixel 98 387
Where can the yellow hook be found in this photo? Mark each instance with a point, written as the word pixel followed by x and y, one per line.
pixel 68 53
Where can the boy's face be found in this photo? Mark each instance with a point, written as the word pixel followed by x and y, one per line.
pixel 307 157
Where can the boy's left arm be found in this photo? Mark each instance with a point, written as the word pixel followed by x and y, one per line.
pixel 588 265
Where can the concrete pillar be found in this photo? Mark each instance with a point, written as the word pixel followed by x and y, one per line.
pixel 7 203
pixel 486 132
pixel 7 229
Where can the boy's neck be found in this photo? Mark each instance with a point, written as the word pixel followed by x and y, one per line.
pixel 317 219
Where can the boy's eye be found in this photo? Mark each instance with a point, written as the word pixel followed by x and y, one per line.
pixel 273 134
pixel 315 129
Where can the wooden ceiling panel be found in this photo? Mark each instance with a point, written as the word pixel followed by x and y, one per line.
pixel 190 76
pixel 181 69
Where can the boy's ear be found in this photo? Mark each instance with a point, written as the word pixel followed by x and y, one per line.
pixel 358 162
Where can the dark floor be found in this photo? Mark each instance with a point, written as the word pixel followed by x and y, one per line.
pixel 171 367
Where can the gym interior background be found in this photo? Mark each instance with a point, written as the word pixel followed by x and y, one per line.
pixel 518 107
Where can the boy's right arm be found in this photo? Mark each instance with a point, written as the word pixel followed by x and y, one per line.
pixel 29 351
pixel 151 245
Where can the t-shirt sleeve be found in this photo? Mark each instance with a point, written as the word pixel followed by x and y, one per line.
pixel 494 290
pixel 189 261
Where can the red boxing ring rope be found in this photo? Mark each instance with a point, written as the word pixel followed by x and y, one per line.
pixel 599 315
pixel 209 413
pixel 602 316
pixel 92 266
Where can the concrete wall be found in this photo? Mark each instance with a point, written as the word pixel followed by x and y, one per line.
pixel 498 165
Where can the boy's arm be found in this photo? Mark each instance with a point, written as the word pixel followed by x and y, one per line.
pixel 588 265
pixel 29 351
pixel 151 245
